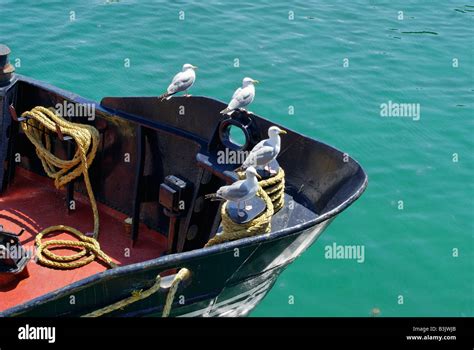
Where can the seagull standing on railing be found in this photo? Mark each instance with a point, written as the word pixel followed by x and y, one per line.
pixel 242 97
pixel 239 191
pixel 181 82
pixel 265 151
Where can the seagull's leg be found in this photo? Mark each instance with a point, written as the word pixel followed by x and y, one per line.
pixel 186 94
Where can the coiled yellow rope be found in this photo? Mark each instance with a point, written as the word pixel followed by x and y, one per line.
pixel 275 188
pixel 90 250
pixel 137 295
pixel 39 124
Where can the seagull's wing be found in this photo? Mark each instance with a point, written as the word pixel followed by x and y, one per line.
pixel 178 77
pixel 234 192
pixel 262 155
pixel 241 98
pixel 259 145
pixel 236 92
pixel 181 82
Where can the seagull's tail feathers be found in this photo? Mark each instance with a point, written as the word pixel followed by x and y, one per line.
pixel 227 110
pixel 165 96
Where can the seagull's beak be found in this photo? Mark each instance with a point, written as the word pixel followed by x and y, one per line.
pixel 258 176
pixel 195 67
pixel 255 81
pixel 282 132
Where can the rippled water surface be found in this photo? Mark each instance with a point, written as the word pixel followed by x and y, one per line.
pixel 335 62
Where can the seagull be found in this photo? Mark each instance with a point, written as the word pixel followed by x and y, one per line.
pixel 242 97
pixel 239 191
pixel 265 151
pixel 181 81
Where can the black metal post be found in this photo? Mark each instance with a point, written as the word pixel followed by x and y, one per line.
pixel 7 128
pixel 138 183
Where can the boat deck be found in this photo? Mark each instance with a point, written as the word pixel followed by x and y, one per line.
pixel 33 203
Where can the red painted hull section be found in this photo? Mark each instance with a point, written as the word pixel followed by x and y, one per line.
pixel 32 203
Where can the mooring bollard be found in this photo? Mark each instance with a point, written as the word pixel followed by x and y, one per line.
pixel 6 69
pixel 7 92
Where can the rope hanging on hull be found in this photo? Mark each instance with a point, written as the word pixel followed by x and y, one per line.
pixel 137 295
pixel 38 121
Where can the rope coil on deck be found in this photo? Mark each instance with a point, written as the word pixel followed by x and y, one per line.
pixel 232 231
pixel 38 121
pixel 89 252
pixel 137 295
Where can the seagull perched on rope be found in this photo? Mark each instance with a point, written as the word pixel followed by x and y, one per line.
pixel 181 82
pixel 265 151
pixel 242 97
pixel 239 191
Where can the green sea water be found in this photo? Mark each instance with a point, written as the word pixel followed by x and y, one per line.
pixel 325 67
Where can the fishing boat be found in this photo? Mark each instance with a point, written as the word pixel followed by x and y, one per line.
pixel 152 156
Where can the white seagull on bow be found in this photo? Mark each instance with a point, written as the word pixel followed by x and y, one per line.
pixel 181 81
pixel 239 191
pixel 242 97
pixel 265 151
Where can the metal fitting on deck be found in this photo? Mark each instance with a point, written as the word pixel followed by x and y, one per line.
pixel 6 69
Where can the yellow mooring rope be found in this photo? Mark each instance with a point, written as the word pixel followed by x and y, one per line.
pixel 182 275
pixel 137 295
pixel 275 188
pixel 39 121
